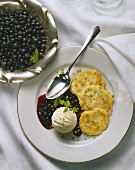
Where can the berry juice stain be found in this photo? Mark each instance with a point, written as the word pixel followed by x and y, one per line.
pixel 45 110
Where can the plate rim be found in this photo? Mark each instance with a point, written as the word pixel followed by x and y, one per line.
pixel 74 46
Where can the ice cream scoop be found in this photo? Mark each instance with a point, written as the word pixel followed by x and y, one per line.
pixel 64 121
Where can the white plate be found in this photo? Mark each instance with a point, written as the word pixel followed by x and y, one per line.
pixel 84 148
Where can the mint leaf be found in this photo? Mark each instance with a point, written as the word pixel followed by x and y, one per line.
pixel 35 56
pixel 66 109
pixel 70 109
pixel 67 103
pixel 56 102
pixel 74 109
pixel 61 102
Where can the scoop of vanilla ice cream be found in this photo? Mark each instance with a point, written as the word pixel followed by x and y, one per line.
pixel 62 121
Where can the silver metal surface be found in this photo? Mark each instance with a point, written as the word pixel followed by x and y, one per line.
pixel 62 81
pixel 50 36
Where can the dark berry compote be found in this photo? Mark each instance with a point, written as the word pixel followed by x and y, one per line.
pixel 21 34
pixel 46 108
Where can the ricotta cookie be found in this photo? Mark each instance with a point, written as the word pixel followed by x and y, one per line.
pixel 95 97
pixel 86 78
pixel 93 122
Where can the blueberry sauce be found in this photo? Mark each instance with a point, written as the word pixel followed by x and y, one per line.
pixel 45 109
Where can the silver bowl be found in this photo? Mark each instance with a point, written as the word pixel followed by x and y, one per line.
pixel 50 35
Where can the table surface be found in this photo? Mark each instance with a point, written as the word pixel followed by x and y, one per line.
pixel 73 21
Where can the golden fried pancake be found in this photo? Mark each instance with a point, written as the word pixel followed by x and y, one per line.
pixel 95 97
pixel 93 122
pixel 86 78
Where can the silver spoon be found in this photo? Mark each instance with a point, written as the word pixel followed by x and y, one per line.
pixel 62 81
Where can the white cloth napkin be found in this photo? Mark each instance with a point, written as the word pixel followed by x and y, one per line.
pixel 121 50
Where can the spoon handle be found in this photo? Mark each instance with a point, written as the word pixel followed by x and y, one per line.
pixel 93 33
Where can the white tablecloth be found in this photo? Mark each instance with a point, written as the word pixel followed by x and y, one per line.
pixel 73 22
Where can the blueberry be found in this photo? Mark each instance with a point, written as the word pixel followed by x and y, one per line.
pixel 12 69
pixel 1 28
pixel 29 35
pixel 3 63
pixel 23 68
pixel 20 33
pixel 42 50
pixel 42 32
pixel 15 44
pixel 39 43
pixel 27 56
pixel 4 43
pixel 23 50
pixel 41 55
pixel 21 60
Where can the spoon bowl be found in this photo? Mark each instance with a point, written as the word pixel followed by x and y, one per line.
pixel 62 81
pixel 58 86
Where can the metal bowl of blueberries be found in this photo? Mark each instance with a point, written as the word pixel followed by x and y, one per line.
pixel 28 40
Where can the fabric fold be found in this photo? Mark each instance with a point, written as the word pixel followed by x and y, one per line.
pixel 121 50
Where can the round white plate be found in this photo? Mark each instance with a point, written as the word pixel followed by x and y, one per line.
pixel 69 148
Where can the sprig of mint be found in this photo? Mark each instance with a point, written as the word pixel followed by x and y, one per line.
pixel 66 109
pixel 56 102
pixel 65 103
pixel 61 102
pixel 35 56
pixel 75 109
